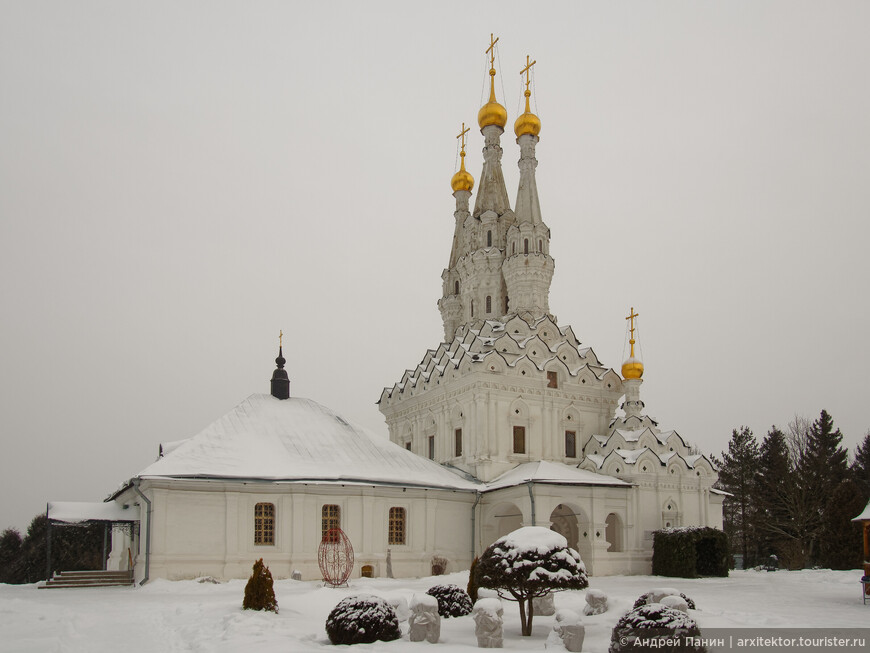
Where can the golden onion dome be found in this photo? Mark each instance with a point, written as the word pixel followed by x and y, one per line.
pixel 527 123
pixel 632 368
pixel 492 113
pixel 462 180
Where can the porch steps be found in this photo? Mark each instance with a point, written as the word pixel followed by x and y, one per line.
pixel 89 579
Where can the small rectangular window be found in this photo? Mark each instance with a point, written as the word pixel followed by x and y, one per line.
pixel 458 438
pixel 264 523
pixel 552 380
pixel 396 533
pixel 408 445
pixel 431 447
pixel 570 444
pixel 519 439
pixel 330 519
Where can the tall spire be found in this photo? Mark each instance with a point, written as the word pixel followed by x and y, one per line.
pixel 280 381
pixel 528 267
pixel 527 127
pixel 632 370
pixel 492 117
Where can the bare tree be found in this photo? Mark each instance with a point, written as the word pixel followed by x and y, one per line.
pixel 797 437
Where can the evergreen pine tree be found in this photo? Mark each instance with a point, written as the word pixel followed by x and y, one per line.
pixel 842 540
pixel 774 493
pixel 260 591
pixel 823 466
pixel 737 475
pixel 861 467
pixel 10 554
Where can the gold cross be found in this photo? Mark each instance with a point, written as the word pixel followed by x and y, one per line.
pixel 527 69
pixel 280 338
pixel 631 317
pixel 462 135
pixel 491 50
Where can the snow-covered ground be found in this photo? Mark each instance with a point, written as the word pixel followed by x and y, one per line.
pixel 166 616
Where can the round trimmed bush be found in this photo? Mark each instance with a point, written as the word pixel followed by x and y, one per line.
pixel 453 601
pixel 655 621
pixel 362 619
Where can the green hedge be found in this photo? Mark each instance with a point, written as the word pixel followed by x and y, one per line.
pixel 690 552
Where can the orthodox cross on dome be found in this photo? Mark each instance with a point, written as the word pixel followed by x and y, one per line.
pixel 491 51
pixel 462 136
pixel 525 71
pixel 632 315
pixel 280 338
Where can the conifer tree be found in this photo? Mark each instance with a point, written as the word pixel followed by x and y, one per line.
pixel 10 554
pixel 823 466
pixel 737 475
pixel 861 467
pixel 842 541
pixel 774 495
pixel 260 591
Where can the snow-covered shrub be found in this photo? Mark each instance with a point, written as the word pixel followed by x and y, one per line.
pixel 259 592
pixel 672 630
pixel 690 551
pixel 453 601
pixel 530 562
pixel 362 619
pixel 658 594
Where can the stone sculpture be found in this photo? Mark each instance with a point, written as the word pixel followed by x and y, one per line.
pixel 425 623
pixel 596 602
pixel 487 614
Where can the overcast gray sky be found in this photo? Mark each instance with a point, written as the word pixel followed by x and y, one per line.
pixel 179 181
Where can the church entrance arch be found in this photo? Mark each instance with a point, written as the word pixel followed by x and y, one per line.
pixel 570 523
pixel 501 519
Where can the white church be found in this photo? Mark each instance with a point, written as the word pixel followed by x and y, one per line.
pixel 509 422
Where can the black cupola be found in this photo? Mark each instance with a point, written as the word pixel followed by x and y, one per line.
pixel 280 381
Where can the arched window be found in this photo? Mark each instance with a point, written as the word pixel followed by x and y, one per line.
pixel 472 308
pixel 489 238
pixel 397 526
pixel 488 304
pixel 513 248
pixel 505 305
pixel 330 518
pixel 613 533
pixel 367 571
pixel 540 245
pixel 264 523
pixel 456 287
pixel 525 245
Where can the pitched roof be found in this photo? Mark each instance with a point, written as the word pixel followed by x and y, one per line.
pixel 544 471
pixel 297 440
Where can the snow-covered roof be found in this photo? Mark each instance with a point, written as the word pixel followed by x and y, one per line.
pixel 77 512
pixel 297 440
pixel 865 515
pixel 543 471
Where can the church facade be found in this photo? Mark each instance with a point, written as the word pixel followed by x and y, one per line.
pixel 509 422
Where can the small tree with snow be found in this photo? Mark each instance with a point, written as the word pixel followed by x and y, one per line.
pixel 259 592
pixel 528 563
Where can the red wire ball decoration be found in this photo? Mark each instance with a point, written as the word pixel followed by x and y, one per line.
pixel 335 557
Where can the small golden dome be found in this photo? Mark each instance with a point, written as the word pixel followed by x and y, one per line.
pixel 527 123
pixel 632 369
pixel 462 180
pixel 492 113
